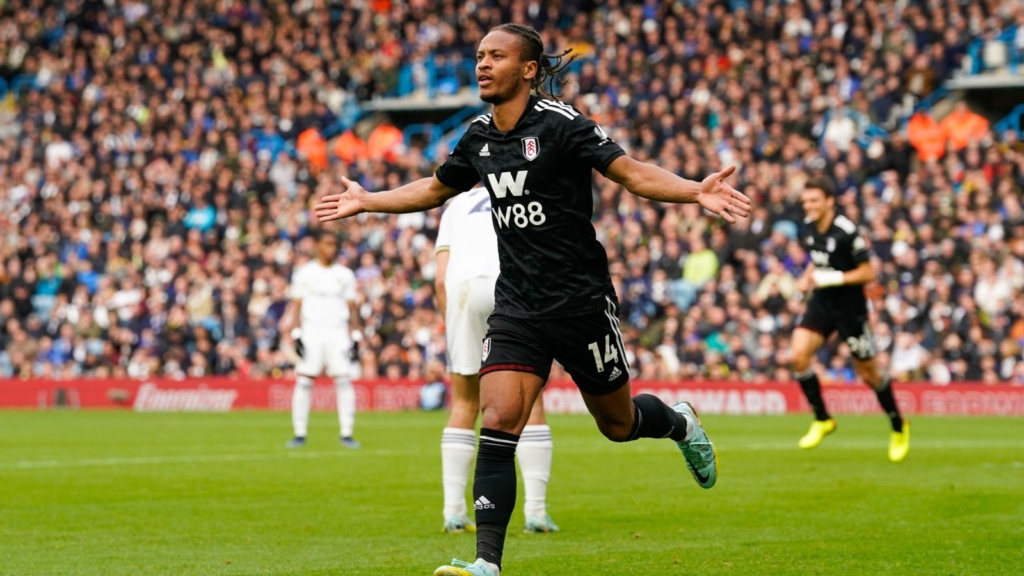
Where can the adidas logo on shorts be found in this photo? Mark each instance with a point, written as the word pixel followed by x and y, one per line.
pixel 615 373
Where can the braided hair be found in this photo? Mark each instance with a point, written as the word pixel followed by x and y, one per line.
pixel 549 66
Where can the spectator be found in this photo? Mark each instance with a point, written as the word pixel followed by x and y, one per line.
pixel 155 192
pixel 908 358
pixel 926 136
pixel 701 264
pixel 961 126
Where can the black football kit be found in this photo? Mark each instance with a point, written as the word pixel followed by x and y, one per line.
pixel 839 308
pixel 554 297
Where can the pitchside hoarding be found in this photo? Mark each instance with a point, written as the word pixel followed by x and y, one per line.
pixel 224 394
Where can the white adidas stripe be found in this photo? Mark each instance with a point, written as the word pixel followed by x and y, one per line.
pixel 561 105
pixel 567 112
pixel 610 313
pixel 541 106
pixel 499 440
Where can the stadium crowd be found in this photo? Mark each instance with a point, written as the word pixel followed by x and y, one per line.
pixel 153 203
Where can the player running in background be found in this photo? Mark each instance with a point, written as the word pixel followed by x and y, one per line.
pixel 323 306
pixel 554 299
pixel 467 269
pixel 840 267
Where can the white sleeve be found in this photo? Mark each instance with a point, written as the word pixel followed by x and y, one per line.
pixel 350 285
pixel 297 290
pixel 444 231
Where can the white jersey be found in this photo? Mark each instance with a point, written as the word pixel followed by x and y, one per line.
pixel 467 232
pixel 325 293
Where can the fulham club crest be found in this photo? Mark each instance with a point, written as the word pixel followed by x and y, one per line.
pixel 487 349
pixel 531 147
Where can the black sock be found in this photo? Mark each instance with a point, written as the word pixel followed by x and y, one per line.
pixel 652 418
pixel 888 402
pixel 494 491
pixel 812 390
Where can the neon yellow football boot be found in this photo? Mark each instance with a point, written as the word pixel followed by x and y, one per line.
pixel 899 443
pixel 819 429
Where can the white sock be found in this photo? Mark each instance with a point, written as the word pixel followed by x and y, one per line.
pixel 346 405
pixel 689 428
pixel 458 446
pixel 492 566
pixel 534 455
pixel 302 397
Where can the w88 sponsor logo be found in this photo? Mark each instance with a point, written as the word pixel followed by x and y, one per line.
pixel 520 215
pixel 517 214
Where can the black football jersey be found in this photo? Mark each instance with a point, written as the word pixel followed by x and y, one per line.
pixel 841 248
pixel 540 181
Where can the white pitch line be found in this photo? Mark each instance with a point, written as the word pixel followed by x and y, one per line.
pixel 871 445
pixel 181 459
pixel 573 449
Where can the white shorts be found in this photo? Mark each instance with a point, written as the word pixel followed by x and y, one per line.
pixel 324 351
pixel 470 303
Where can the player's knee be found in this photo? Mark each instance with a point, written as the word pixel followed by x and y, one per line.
pixel 800 363
pixel 463 412
pixel 615 430
pixel 503 420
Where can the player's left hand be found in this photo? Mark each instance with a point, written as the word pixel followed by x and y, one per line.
pixel 717 196
pixel 338 206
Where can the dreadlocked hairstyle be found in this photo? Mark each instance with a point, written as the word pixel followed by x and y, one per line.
pixel 549 66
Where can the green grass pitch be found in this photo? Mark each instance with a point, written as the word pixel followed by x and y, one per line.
pixel 122 493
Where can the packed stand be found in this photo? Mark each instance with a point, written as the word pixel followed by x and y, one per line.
pixel 155 182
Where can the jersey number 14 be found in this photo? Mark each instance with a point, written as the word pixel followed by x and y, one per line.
pixel 611 353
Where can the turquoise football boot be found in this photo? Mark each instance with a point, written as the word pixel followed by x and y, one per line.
pixel 699 453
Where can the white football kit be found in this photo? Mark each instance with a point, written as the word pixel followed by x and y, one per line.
pixel 325 293
pixel 467 233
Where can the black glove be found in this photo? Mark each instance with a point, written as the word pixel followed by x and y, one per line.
pixel 353 351
pixel 300 348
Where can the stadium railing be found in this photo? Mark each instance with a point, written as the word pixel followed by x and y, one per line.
pixel 1012 121
pixel 451 128
pixel 925 103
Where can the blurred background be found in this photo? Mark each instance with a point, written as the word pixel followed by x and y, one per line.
pixel 158 161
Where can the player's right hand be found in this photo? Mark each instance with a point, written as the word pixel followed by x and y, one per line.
pixel 338 206
pixel 805 282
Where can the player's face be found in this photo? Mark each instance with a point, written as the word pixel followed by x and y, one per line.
pixel 327 248
pixel 816 204
pixel 500 72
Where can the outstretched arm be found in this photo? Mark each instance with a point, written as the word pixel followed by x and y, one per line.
pixel 655 183
pixel 423 194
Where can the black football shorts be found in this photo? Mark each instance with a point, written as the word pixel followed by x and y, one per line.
pixel 589 346
pixel 852 325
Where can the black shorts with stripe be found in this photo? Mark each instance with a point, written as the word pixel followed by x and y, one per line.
pixel 851 322
pixel 589 346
